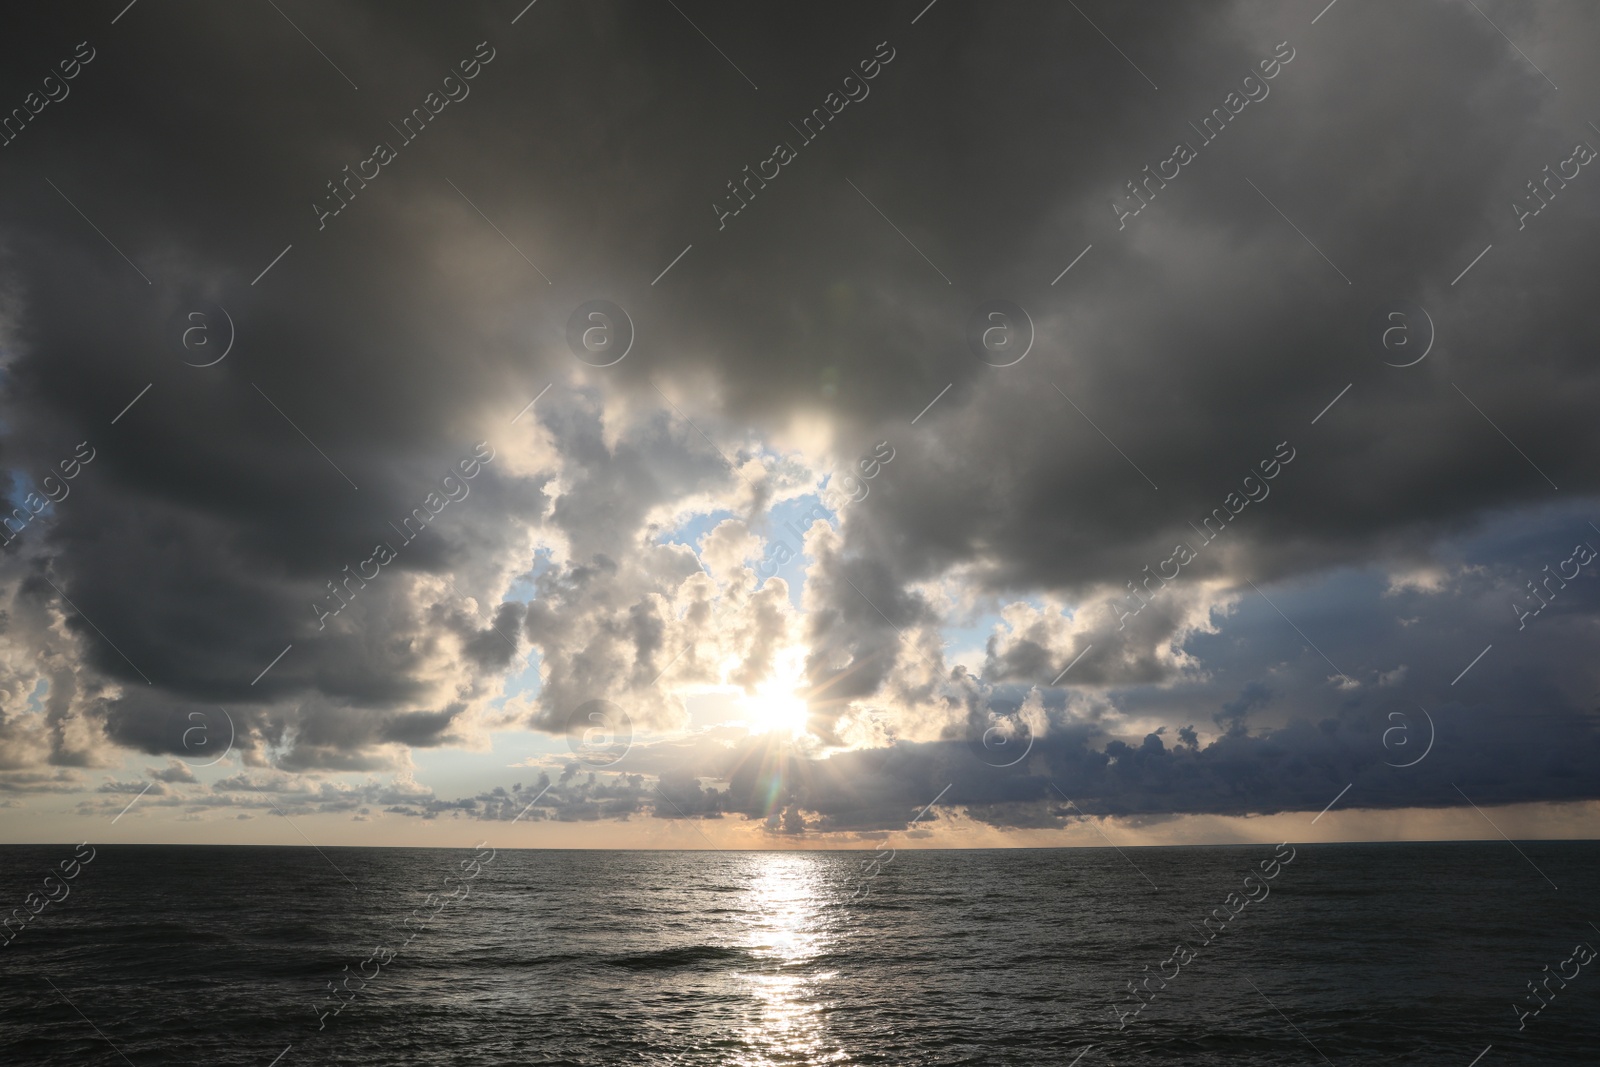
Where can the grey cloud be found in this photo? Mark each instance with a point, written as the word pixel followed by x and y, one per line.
pixel 1197 338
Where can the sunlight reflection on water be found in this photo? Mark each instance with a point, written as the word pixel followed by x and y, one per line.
pixel 786 937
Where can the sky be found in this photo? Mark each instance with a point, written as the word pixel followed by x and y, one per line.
pixel 693 425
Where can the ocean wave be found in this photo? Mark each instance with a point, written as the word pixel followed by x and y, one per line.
pixel 681 956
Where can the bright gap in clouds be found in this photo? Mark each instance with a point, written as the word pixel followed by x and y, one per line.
pixel 775 707
pixel 770 710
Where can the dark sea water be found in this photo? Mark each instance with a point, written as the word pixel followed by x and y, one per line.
pixel 1359 954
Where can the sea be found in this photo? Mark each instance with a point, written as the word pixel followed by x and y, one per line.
pixel 1456 954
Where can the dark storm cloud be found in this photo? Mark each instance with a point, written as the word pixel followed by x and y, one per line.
pixel 402 331
pixel 1300 766
pixel 576 797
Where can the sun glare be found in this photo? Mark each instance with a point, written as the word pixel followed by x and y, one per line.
pixel 773 709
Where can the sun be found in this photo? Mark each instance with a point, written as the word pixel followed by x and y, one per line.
pixel 774 709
